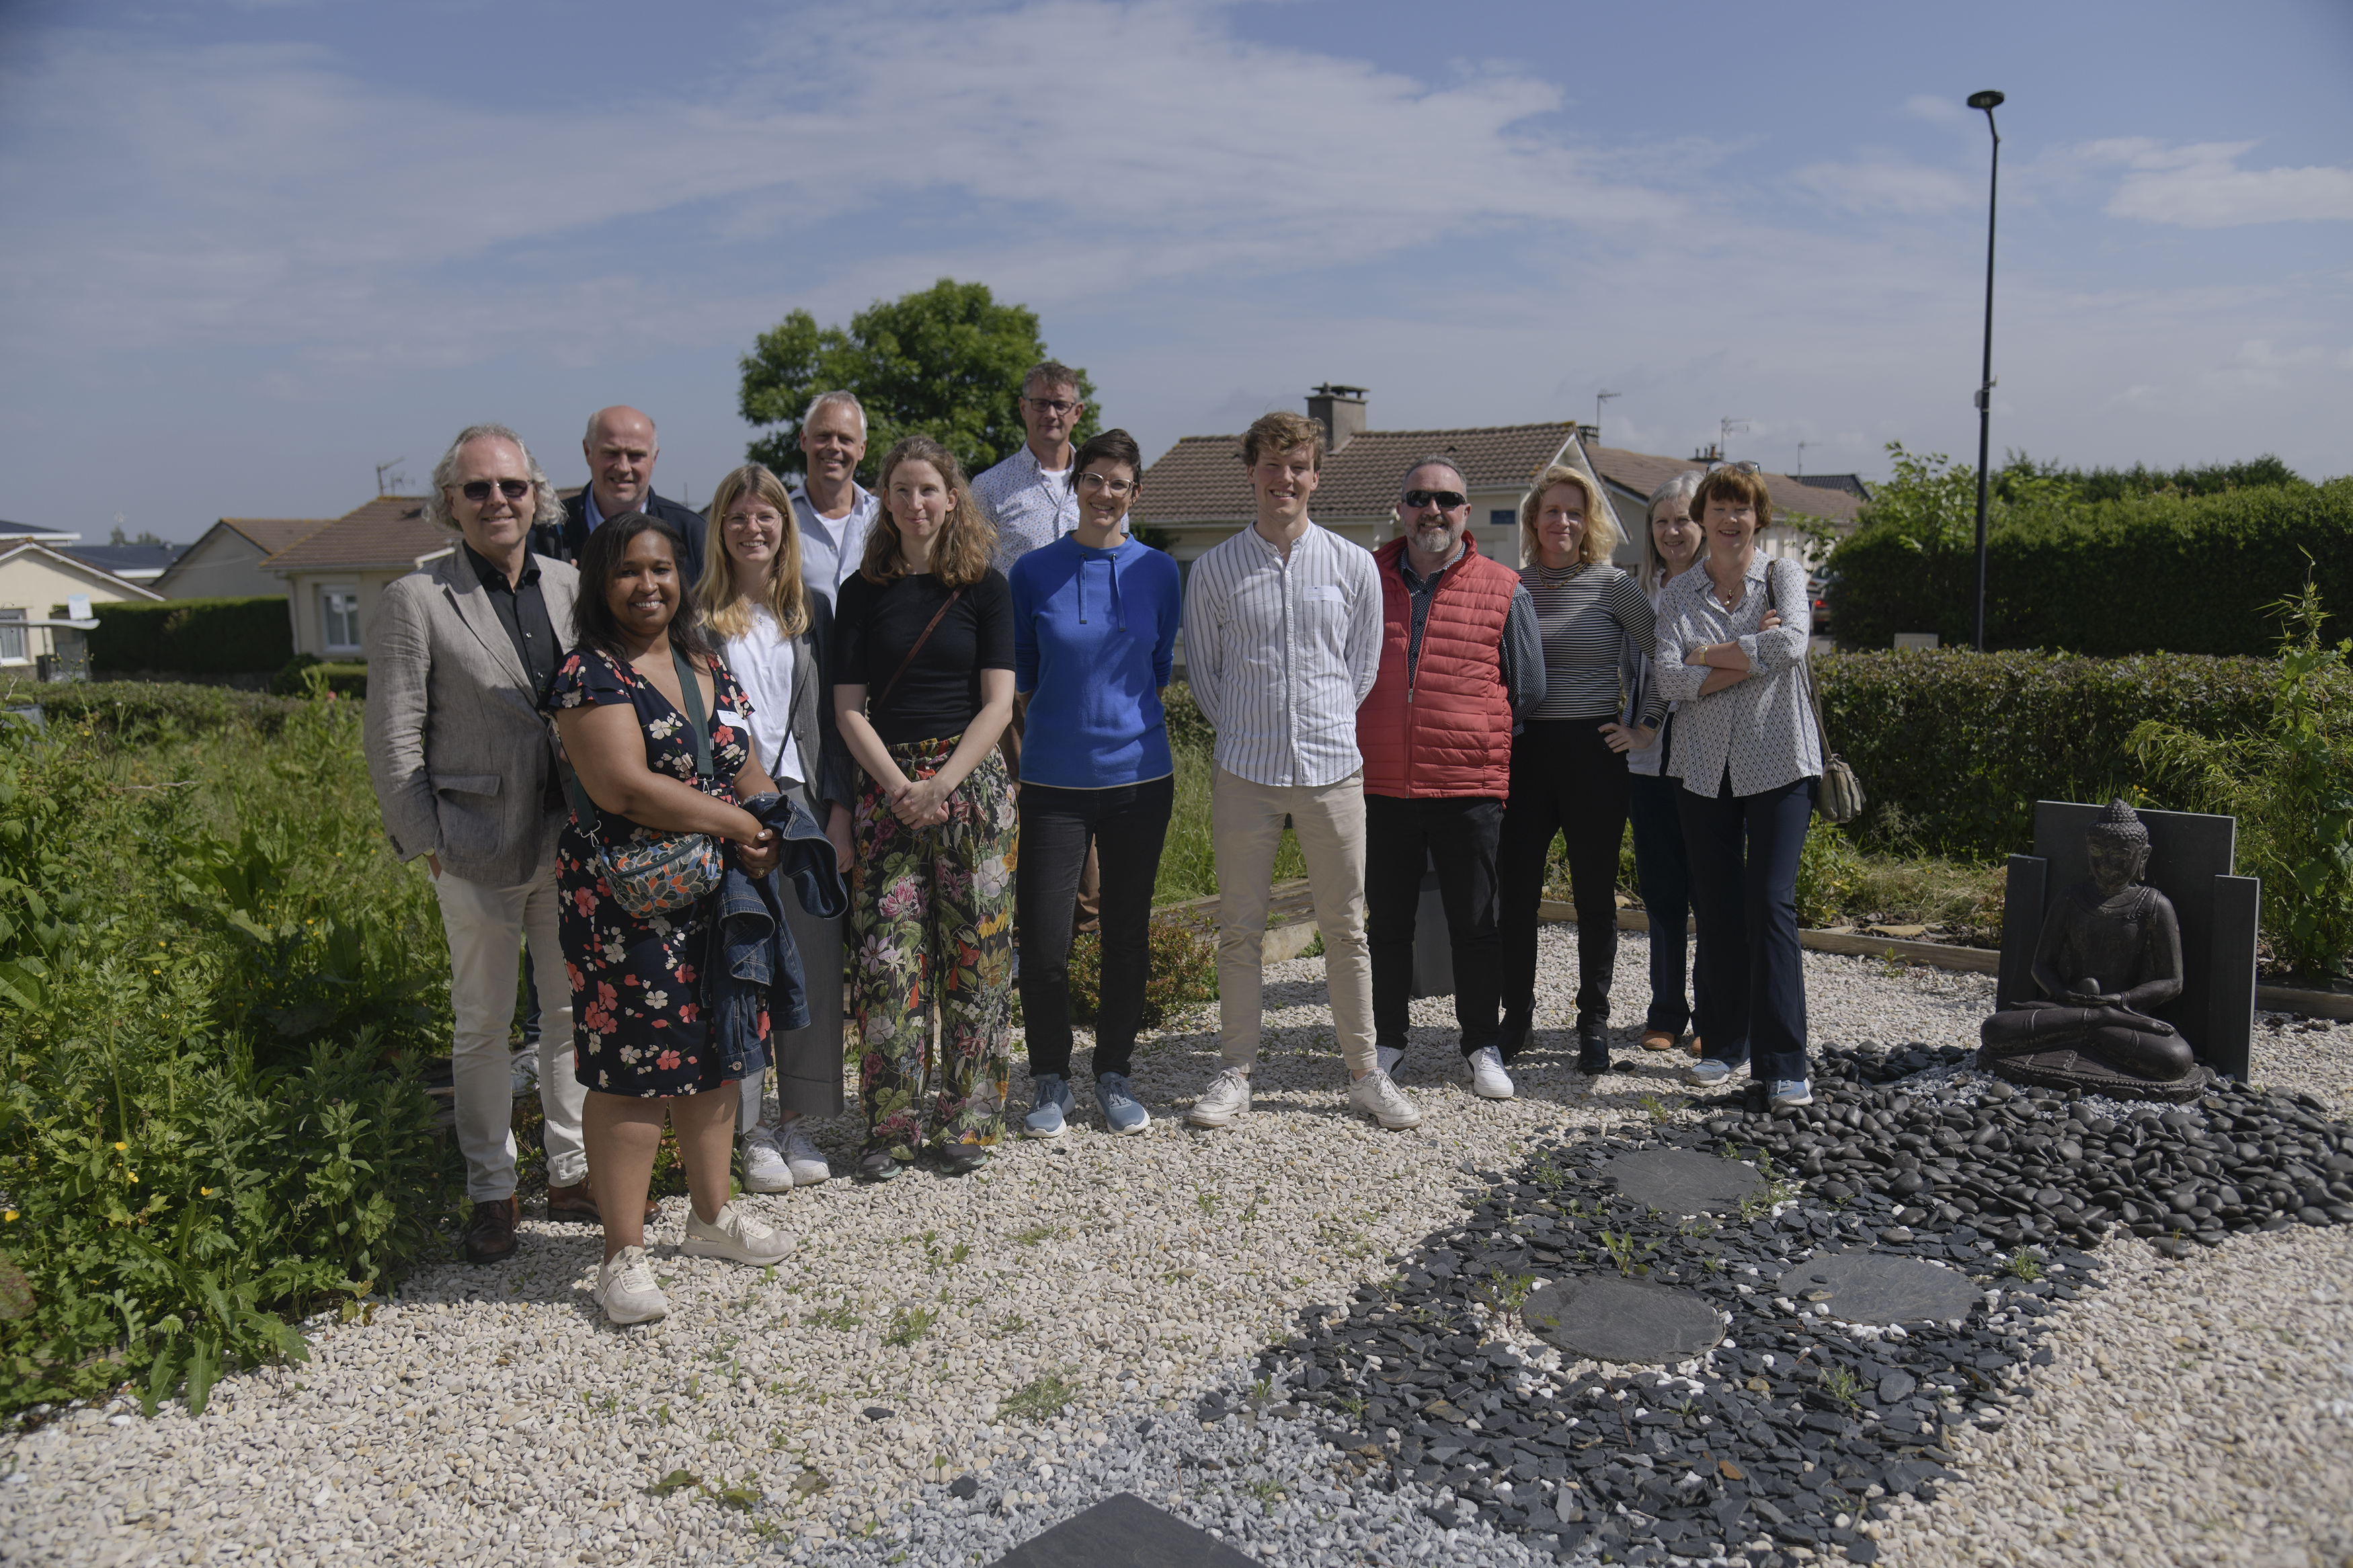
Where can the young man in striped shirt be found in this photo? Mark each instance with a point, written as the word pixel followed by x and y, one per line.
pixel 1282 638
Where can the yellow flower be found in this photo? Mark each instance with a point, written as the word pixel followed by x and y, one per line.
pixel 122 1145
pixel 10 1217
pixel 206 1191
pixel 134 1175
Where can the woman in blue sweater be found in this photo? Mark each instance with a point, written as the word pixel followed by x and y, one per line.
pixel 1095 616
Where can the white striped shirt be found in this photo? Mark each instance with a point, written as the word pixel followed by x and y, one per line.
pixel 1281 653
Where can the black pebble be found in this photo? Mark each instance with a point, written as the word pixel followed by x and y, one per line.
pixel 963 1487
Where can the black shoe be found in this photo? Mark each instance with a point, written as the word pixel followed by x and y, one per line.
pixel 877 1165
pixel 1517 1027
pixel 490 1234
pixel 962 1159
pixel 1592 1046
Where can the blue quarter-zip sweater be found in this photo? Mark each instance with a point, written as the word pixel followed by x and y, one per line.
pixel 1094 636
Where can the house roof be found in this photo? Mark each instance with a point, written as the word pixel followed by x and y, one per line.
pixel 1201 478
pixel 388 531
pixel 45 535
pixel 96 576
pixel 1639 473
pixel 139 562
pixel 272 534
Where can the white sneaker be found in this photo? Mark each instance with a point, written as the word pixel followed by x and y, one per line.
pixel 1227 1096
pixel 763 1166
pixel 1388 1057
pixel 802 1156
pixel 625 1288
pixel 1377 1096
pixel 1488 1079
pixel 736 1235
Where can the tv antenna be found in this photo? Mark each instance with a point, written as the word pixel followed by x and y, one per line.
pixel 384 487
pixel 1801 455
pixel 1724 429
pixel 1598 399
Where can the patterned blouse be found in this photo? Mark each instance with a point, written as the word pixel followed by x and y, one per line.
pixel 1760 730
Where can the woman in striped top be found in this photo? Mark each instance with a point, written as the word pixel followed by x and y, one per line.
pixel 1567 777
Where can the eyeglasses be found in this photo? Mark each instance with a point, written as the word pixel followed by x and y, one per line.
pixel 1111 487
pixel 1740 467
pixel 479 490
pixel 1050 405
pixel 1445 500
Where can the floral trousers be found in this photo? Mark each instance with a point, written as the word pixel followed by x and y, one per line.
pixel 931 926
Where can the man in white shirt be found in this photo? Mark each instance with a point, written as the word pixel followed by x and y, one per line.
pixel 1282 641
pixel 829 507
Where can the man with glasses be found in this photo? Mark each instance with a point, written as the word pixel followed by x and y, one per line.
pixel 1460 660
pixel 621 447
pixel 832 510
pixel 459 653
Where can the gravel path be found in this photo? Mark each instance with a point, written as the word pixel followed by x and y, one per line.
pixel 923 1328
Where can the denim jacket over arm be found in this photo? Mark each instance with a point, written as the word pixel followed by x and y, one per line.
pixel 753 966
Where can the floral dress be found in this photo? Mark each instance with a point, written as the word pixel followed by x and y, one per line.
pixel 640 1024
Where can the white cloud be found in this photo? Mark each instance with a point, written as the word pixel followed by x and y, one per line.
pixel 1885 185
pixel 2200 185
pixel 2259 366
pixel 1937 109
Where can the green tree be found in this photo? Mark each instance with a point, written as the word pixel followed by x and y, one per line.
pixel 945 362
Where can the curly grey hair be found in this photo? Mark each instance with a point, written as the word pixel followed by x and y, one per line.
pixel 547 506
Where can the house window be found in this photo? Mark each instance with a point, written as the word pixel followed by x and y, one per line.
pixel 1502 517
pixel 12 637
pixel 339 619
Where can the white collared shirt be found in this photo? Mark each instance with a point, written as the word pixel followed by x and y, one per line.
pixel 832 547
pixel 1028 505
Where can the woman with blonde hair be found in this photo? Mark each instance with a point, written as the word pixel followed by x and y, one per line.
pixel 923 688
pixel 776 636
pixel 1568 778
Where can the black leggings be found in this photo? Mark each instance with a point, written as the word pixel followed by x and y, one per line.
pixel 1564 780
pixel 1127 825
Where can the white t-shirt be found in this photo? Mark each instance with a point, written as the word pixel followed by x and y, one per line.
pixel 762 660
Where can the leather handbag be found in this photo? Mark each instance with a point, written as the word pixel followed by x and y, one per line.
pixel 673 872
pixel 1838 798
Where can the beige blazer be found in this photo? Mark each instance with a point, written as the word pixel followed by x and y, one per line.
pixel 457 748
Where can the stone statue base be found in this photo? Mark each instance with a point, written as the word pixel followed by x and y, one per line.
pixel 2065 1070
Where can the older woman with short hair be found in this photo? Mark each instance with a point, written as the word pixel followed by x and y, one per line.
pixel 1748 757
pixel 1566 777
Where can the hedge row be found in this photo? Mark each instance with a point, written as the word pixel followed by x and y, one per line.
pixel 197 636
pixel 2177 573
pixel 143 709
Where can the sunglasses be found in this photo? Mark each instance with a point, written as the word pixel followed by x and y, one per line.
pixel 479 490
pixel 1739 467
pixel 1445 500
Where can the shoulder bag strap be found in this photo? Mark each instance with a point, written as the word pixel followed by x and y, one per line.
pixel 1806 678
pixel 925 636
pixel 694 693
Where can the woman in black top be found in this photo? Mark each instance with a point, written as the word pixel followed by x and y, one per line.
pixel 924 671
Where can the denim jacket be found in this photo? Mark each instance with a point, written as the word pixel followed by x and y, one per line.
pixel 753 966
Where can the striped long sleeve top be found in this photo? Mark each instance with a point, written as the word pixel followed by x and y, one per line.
pixel 1280 652
pixel 1588 616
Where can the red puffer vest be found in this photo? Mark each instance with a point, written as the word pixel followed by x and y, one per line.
pixel 1447 731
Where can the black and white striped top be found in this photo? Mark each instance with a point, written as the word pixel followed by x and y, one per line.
pixel 1588 616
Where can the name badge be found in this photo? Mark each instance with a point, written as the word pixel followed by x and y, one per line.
pixel 1323 593
pixel 729 716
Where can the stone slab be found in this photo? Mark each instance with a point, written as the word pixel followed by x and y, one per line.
pixel 1874 1288
pixel 1604 1318
pixel 1123 1531
pixel 1683 1181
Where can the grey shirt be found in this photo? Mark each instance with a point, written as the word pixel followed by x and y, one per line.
pixel 832 548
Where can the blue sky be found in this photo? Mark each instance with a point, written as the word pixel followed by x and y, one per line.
pixel 259 248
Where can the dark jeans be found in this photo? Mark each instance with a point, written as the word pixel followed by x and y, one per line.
pixel 1458 835
pixel 1664 874
pixel 1753 1008
pixel 1126 826
pixel 1564 780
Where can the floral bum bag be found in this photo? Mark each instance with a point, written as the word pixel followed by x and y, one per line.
pixel 668 873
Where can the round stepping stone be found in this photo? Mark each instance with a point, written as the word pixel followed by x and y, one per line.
pixel 1874 1287
pixel 1602 1318
pixel 1683 1181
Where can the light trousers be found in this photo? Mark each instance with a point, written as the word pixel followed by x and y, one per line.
pixel 1246 829
pixel 804 1065
pixel 487 928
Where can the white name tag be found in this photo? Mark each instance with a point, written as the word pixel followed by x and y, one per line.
pixel 729 716
pixel 1323 593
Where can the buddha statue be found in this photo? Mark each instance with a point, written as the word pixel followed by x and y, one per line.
pixel 2109 953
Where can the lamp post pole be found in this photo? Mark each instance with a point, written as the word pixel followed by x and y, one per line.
pixel 1987 101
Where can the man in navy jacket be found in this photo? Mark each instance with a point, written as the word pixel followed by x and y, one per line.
pixel 620 446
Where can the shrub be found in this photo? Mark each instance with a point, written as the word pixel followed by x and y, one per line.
pixel 199 637
pixel 1184 970
pixel 1187 730
pixel 142 712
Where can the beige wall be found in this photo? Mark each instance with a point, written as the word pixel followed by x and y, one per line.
pixel 304 590
pixel 37 584
pixel 222 566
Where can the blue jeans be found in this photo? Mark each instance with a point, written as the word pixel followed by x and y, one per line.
pixel 1753 1006
pixel 1663 872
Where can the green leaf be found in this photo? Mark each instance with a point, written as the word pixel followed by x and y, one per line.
pixel 673 1482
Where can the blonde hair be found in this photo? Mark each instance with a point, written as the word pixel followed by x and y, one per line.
pixel 727 613
pixel 967 540
pixel 1279 432
pixel 1600 533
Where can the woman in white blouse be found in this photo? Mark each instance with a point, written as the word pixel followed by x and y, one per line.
pixel 772 634
pixel 1745 751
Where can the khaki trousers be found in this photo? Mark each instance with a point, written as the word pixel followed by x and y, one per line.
pixel 1246 829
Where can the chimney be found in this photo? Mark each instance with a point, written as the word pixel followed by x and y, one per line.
pixel 1340 410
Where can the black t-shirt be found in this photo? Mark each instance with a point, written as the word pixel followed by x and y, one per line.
pixel 874 626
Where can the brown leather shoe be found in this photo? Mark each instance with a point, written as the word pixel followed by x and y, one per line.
pixel 1658 1040
pixel 578 1201
pixel 490 1234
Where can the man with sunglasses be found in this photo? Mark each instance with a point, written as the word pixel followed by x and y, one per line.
pixel 1460 661
pixel 621 445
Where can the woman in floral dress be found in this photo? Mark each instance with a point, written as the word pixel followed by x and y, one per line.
pixel 924 671
pixel 643 1046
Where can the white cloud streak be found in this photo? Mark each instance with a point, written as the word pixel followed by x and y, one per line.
pixel 2200 185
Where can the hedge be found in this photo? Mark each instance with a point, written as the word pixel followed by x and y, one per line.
pixel 142 709
pixel 195 636
pixel 2176 574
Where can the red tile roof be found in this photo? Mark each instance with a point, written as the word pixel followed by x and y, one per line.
pixel 388 531
pixel 1639 473
pixel 1201 478
pixel 272 534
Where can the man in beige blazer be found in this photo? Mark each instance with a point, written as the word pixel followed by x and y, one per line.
pixel 459 653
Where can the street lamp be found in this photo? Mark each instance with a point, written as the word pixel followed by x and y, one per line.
pixel 1987 101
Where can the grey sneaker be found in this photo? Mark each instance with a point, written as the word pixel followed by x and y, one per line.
pixel 1227 1096
pixel 1050 1107
pixel 1122 1112
pixel 1706 1073
pixel 764 1169
pixel 1377 1096
pixel 625 1288
pixel 1791 1091
pixel 802 1158
pixel 736 1235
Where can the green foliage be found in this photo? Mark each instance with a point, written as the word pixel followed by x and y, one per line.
pixel 1828 871
pixel 213 982
pixel 197 636
pixel 2021 475
pixel 2290 784
pixel 307 675
pixel 145 712
pixel 1041 1399
pixel 943 362
pixel 1182 972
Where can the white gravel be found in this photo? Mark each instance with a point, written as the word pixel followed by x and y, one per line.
pixel 489 1414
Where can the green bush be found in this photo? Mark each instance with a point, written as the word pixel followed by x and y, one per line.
pixel 196 636
pixel 1183 973
pixel 1187 728
pixel 142 712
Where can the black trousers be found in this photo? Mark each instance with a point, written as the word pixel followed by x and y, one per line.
pixel 1460 834
pixel 1564 780
pixel 1126 826
pixel 1743 851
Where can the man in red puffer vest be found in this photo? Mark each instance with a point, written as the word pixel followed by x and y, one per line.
pixel 1460 659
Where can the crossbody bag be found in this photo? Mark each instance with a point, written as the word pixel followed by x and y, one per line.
pixel 673 872
pixel 1839 799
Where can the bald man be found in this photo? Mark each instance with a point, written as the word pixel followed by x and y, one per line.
pixel 620 446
